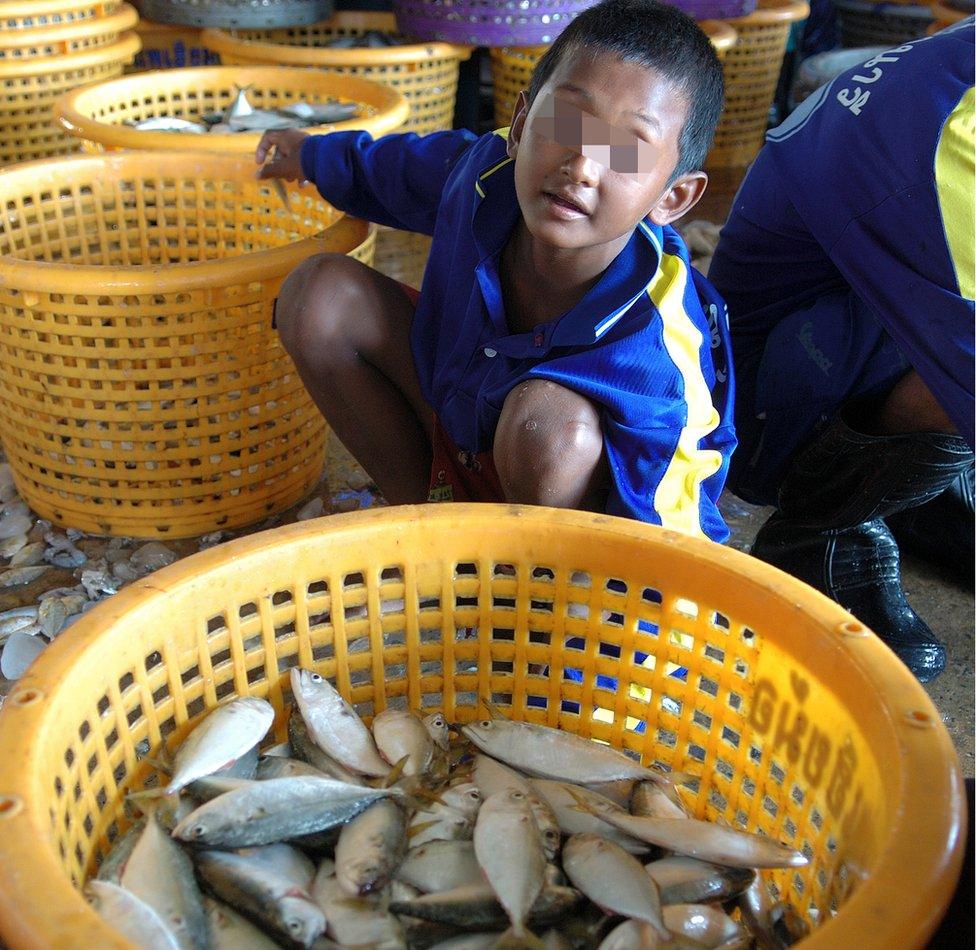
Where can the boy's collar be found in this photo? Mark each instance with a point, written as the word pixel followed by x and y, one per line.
pixel 496 210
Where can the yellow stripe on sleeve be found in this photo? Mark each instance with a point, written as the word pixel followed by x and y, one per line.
pixel 955 172
pixel 677 499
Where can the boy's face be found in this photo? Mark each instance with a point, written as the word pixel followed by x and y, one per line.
pixel 594 154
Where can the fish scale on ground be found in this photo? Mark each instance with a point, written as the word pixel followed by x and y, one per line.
pixel 456 839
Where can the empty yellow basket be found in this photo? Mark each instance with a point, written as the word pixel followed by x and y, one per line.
pixel 801 722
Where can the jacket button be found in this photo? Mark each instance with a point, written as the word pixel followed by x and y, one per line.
pixel 489 352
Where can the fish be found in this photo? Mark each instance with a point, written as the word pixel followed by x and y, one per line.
pixel 562 798
pixel 708 926
pixel 229 732
pixel 702 839
pixel 652 800
pixel 633 935
pixel 279 766
pixel 476 907
pixel 775 925
pixel 438 730
pixel 160 874
pixel 484 941
pixel 438 822
pixel 262 120
pixel 400 733
pixel 370 847
pixel 491 776
pixel 548 753
pixel 230 931
pixel 355 921
pixel 682 880
pixel 253 887
pixel 613 880
pixel 275 809
pixel 169 123
pixel 306 750
pixel 334 726
pixel 510 852
pixel 130 916
pixel 464 797
pixel 113 864
pixel 440 865
pixel 320 113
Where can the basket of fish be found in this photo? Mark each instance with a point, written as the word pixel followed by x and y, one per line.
pixel 367 45
pixel 143 390
pixel 236 12
pixel 473 726
pixel 224 108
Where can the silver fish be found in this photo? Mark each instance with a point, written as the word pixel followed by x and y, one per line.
pixel 613 880
pixel 230 931
pixel 228 733
pixel 651 800
pixel 114 862
pixel 334 726
pixel 249 884
pixel 275 809
pixel 132 917
pixel 468 942
pixel 440 865
pixel 437 728
pixel 166 123
pixel 161 875
pixel 261 120
pixel 439 822
pixel 633 935
pixel 279 766
pixel 510 852
pixel 306 750
pixel 562 799
pixel 465 797
pixel 370 847
pixel 709 926
pixel 400 733
pixel 550 753
pixel 360 921
pixel 682 880
pixel 241 106
pixel 491 776
pixel 774 925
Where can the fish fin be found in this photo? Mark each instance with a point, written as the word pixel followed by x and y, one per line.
pixel 159 763
pixel 493 710
pixel 581 803
pixel 145 793
pixel 415 830
pixel 513 940
pixel 394 775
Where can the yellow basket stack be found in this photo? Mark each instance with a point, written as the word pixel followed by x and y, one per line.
pixel 98 113
pixel 752 68
pixel 143 391
pixel 802 724
pixel 169 46
pixel 46 48
pixel 512 67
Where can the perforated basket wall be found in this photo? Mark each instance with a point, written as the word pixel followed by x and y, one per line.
pixel 512 67
pixel 143 390
pixel 30 87
pixel 167 46
pixel 99 113
pixel 880 24
pixel 426 73
pixel 402 255
pixel 73 37
pixel 802 723
pixel 752 67
pixel 32 14
pixel 234 13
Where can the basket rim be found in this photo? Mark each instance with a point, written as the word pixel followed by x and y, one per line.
pixel 769 12
pixel 125 18
pixel 126 47
pixel 928 801
pixel 221 41
pixel 64 277
pixel 721 33
pixel 38 7
pixel 393 106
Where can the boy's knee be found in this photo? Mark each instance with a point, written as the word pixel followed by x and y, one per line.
pixel 547 445
pixel 314 299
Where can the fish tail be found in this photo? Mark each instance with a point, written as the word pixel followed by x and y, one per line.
pixel 146 793
pixel 158 763
pixel 519 938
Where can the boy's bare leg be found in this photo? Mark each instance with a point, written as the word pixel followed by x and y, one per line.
pixel 549 448
pixel 347 329
pixel 911 407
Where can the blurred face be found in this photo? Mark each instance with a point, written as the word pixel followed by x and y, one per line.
pixel 594 154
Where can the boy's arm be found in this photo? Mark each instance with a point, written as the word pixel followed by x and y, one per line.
pixel 396 180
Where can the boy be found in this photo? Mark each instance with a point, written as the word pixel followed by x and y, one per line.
pixel 564 351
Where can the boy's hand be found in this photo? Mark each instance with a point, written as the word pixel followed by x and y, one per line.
pixel 279 154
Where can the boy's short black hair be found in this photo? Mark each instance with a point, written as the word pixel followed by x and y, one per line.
pixel 662 38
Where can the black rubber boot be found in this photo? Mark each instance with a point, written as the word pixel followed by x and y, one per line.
pixel 941 530
pixel 829 530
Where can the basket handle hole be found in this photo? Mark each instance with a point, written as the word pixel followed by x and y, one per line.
pixel 851 628
pixel 27 697
pixel 918 717
pixel 10 805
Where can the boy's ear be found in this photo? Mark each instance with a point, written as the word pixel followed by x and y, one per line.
pixel 679 199
pixel 519 114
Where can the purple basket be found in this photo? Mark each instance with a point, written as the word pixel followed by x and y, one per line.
pixel 487 22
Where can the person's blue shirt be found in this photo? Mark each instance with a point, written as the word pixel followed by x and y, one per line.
pixel 648 344
pixel 869 186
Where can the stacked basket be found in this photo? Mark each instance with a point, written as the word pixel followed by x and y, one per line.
pixel 48 47
pixel 867 23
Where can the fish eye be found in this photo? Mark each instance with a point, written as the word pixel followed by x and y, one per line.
pixel 517 795
pixel 485 723
pixel 198 831
pixel 315 678
pixel 295 926
pixel 474 795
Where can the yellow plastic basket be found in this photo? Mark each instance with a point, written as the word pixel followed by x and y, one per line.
pixel 31 14
pixel 170 46
pixel 30 87
pixel 803 723
pixel 143 390
pixel 512 67
pixel 752 68
pixel 402 255
pixel 426 73
pixel 73 37
pixel 96 113
pixel 944 16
